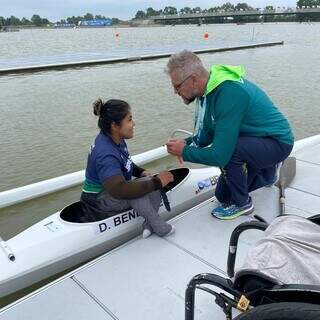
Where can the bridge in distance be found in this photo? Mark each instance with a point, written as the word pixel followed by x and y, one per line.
pixel 207 17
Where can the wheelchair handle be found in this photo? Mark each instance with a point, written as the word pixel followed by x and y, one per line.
pixel 205 278
pixel 233 244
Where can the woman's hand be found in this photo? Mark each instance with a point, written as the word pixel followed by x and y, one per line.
pixel 147 174
pixel 165 177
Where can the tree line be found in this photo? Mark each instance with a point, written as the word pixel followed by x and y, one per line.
pixel 149 12
pixel 37 21
pixel 169 10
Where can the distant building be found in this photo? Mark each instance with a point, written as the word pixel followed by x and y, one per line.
pixel 95 23
pixel 63 25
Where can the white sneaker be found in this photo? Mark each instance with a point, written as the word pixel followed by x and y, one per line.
pixel 172 231
pixel 146 233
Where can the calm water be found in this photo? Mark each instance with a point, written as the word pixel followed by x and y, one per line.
pixel 46 118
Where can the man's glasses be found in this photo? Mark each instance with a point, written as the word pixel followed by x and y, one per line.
pixel 178 86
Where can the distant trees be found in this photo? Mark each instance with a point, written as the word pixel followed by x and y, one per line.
pixel 227 7
pixel 308 3
pixel 196 10
pixel 115 20
pixel 149 12
pixel 185 10
pixel 268 8
pixel 88 16
pixel 14 21
pixel 140 15
pixel 170 10
pixel 25 21
pixel 36 20
pixel 241 6
pixel 72 20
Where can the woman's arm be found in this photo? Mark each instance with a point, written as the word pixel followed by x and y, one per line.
pixel 137 171
pixel 120 188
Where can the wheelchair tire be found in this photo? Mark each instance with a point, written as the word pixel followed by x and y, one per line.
pixel 282 311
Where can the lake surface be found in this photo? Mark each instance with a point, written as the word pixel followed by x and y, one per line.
pixel 47 123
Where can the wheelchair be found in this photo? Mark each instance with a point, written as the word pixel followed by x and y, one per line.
pixel 256 294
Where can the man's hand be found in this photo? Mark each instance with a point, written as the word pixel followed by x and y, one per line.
pixel 175 146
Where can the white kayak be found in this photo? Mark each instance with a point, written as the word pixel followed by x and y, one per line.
pixel 60 241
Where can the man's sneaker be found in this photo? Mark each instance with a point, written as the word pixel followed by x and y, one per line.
pixel 227 204
pixel 232 211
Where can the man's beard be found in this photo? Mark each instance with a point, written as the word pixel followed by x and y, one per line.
pixel 190 99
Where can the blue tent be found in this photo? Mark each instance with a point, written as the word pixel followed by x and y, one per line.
pixel 96 23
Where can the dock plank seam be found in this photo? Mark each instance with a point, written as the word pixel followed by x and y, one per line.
pixel 190 253
pixel 299 209
pixel 309 162
pixel 307 192
pixel 94 298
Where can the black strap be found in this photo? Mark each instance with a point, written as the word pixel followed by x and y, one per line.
pixel 165 200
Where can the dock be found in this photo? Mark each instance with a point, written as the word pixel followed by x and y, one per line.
pixel 146 278
pixel 66 61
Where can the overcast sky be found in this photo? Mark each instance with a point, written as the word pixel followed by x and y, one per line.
pixel 124 9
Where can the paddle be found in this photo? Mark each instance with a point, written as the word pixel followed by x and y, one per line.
pixel 287 173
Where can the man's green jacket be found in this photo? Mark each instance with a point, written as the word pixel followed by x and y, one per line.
pixel 235 108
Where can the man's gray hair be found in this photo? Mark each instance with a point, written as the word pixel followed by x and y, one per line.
pixel 186 62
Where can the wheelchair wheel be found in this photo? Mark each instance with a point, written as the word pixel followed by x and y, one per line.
pixel 282 311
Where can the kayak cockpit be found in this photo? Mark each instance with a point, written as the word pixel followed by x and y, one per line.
pixel 179 175
pixel 73 213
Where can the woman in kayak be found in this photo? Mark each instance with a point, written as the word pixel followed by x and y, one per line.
pixel 108 187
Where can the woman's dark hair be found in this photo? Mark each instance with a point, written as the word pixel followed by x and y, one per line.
pixel 111 111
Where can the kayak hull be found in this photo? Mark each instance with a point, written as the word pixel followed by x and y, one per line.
pixel 56 243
